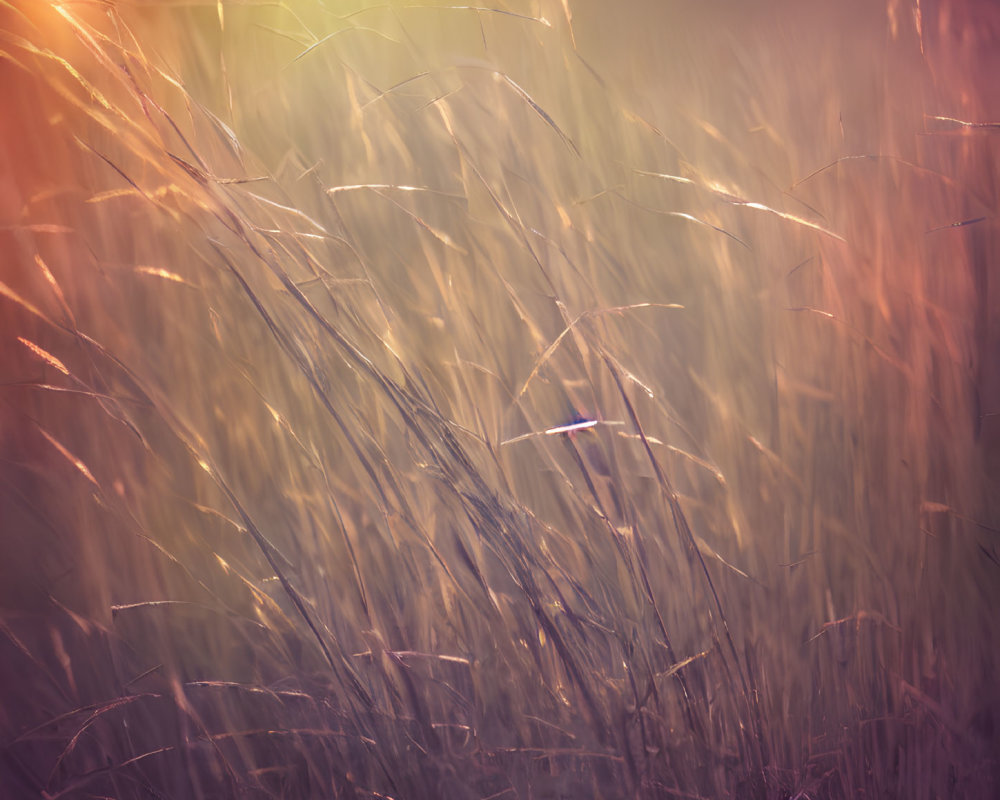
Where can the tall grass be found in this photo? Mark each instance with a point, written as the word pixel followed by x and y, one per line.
pixel 295 298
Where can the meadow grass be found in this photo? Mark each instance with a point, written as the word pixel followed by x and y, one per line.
pixel 304 305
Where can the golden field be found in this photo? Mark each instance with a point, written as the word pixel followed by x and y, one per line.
pixel 295 298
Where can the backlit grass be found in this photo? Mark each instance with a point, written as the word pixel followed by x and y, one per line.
pixel 296 299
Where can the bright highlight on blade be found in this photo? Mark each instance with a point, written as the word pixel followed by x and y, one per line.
pixel 576 426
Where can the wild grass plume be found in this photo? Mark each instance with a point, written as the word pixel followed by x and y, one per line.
pixel 530 400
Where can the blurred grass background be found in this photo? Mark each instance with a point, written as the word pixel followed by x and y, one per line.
pixel 286 286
